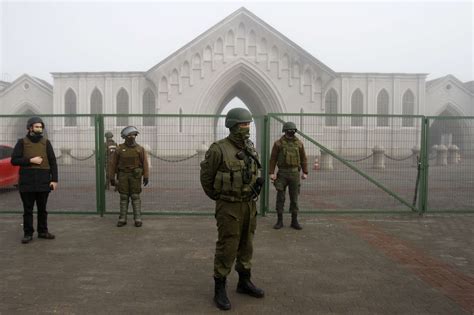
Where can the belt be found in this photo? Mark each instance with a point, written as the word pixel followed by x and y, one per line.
pixel 234 199
pixel 288 169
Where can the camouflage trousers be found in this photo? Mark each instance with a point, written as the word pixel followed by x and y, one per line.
pixel 290 179
pixel 236 224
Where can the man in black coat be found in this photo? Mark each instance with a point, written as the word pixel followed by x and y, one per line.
pixel 38 176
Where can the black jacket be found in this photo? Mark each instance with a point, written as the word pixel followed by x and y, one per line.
pixel 34 180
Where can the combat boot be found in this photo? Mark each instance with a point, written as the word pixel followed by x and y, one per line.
pixel 294 221
pixel 220 294
pixel 123 210
pixel 279 223
pixel 137 211
pixel 245 286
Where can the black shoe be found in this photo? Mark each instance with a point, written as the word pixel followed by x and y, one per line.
pixel 245 286
pixel 26 239
pixel 279 223
pixel 220 294
pixel 120 223
pixel 138 223
pixel 294 222
pixel 47 236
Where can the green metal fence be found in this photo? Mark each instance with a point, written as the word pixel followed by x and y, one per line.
pixel 357 162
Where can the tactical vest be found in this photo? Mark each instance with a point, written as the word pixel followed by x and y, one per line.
pixel 32 149
pixel 289 154
pixel 229 181
pixel 129 158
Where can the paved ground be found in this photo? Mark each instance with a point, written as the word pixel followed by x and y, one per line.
pixel 336 265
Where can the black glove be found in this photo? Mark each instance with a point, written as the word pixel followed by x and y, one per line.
pixel 112 182
pixel 145 181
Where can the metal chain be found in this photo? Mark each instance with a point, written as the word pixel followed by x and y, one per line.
pixel 172 161
pixel 399 160
pixel 81 159
pixel 359 160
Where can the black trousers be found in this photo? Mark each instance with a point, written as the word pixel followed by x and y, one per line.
pixel 29 199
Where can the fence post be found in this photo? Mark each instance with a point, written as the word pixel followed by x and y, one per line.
pixel 265 148
pixel 100 164
pixel 424 160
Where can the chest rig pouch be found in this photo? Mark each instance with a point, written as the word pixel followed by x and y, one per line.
pixel 236 175
pixel 289 155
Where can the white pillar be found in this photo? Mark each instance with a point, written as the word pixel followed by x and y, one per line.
pixel 326 161
pixel 379 157
pixel 442 155
pixel 453 154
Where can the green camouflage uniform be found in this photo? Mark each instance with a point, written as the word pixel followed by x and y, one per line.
pixel 228 180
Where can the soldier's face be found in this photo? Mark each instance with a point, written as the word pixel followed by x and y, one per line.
pixel 37 128
pixel 244 125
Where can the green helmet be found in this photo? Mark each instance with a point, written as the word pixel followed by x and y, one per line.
pixel 109 134
pixel 237 116
pixel 289 125
pixel 128 131
pixel 34 120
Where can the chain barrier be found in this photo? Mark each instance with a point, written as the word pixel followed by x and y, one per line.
pixel 172 161
pixel 81 159
pixel 399 160
pixel 358 160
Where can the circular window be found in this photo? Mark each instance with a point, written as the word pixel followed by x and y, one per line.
pixel 448 87
pixel 26 86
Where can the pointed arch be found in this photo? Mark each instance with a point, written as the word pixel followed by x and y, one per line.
pixel 207 55
pixel 96 104
pixel 230 38
pixel 382 108
pixel 263 46
pixel 252 38
pixel 185 71
pixel 357 107
pixel 408 108
pixel 196 61
pixel 219 46
pixel 70 108
pixel 122 101
pixel 241 30
pixel 149 107
pixel 330 105
pixel 163 85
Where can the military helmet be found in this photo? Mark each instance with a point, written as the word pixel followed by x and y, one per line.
pixel 128 131
pixel 109 134
pixel 237 116
pixel 289 125
pixel 34 120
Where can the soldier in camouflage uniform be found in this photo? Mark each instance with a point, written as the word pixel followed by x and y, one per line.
pixel 110 147
pixel 130 164
pixel 229 176
pixel 289 155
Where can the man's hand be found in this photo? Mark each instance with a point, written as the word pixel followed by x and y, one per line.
pixel 304 176
pixel 36 160
pixel 145 181
pixel 53 185
pixel 273 177
pixel 112 182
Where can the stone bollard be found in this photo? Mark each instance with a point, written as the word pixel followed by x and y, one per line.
pixel 201 151
pixel 453 154
pixel 379 157
pixel 147 149
pixel 66 156
pixel 416 154
pixel 433 151
pixel 442 155
pixel 326 161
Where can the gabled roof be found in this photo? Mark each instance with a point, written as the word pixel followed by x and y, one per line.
pixel 45 86
pixel 469 85
pixel 234 15
pixel 442 80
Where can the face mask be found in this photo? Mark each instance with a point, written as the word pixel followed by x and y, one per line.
pixel 243 133
pixel 290 133
pixel 36 133
pixel 130 140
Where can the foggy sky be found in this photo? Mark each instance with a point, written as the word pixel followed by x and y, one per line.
pixel 424 37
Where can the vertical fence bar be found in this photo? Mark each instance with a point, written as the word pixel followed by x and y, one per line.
pixel 425 165
pixel 101 152
pixel 97 165
pixel 266 139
